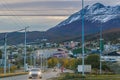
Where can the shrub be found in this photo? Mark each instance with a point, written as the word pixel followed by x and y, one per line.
pixel 13 68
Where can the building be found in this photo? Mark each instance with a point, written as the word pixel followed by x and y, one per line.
pixel 60 53
pixel 113 56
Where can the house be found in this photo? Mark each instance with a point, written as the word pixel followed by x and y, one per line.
pixel 112 56
pixel 61 53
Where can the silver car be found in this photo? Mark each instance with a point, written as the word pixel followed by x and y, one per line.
pixel 35 73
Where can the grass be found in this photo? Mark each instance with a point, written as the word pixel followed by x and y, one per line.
pixel 71 76
pixel 12 74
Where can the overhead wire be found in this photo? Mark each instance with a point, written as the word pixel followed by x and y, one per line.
pixel 2 39
pixel 11 19
pixel 68 10
pixel 13 13
pixel 20 21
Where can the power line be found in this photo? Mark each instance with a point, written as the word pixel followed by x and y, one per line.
pixel 52 14
pixel 35 15
pixel 2 39
pixel 37 9
pixel 11 18
pixel 18 18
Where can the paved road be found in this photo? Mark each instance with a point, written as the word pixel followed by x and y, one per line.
pixel 46 75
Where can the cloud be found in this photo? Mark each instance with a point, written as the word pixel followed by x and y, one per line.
pixel 41 4
pixel 36 23
pixel 57 8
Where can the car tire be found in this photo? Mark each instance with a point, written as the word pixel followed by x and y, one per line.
pixel 30 77
pixel 40 77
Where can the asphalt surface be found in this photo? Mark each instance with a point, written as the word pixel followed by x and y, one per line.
pixel 45 76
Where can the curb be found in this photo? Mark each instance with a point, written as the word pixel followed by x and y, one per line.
pixel 12 74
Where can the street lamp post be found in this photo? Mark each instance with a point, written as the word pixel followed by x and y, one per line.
pixel 83 38
pixel 25 52
pixel 34 60
pixel 5 53
pixel 101 49
pixel 25 49
pixel 46 61
pixel 5 50
pixel 41 61
pixel 31 59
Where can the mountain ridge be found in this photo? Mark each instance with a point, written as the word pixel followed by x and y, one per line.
pixel 95 17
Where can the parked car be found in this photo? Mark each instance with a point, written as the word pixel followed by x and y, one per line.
pixel 35 73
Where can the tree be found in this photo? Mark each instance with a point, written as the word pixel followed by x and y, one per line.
pixel 93 60
pixel 65 62
pixel 52 62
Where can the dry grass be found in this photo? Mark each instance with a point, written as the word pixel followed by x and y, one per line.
pixel 70 76
pixel 12 74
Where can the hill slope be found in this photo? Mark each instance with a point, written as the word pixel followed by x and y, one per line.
pixel 95 16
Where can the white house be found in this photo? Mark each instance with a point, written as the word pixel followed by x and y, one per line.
pixel 113 56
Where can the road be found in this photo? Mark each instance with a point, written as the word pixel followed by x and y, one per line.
pixel 45 76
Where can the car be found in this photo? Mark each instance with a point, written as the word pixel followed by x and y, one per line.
pixel 35 73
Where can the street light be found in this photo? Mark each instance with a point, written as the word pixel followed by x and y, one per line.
pixel 101 48
pixel 5 49
pixel 41 60
pixel 83 45
pixel 35 60
pixel 31 59
pixel 5 53
pixel 25 49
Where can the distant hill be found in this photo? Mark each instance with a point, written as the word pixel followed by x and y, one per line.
pixel 18 37
pixel 35 36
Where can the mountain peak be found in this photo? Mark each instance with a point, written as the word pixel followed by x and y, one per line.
pixel 100 5
pixel 97 6
pixel 94 16
pixel 96 13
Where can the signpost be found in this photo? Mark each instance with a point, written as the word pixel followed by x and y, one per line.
pixel 87 68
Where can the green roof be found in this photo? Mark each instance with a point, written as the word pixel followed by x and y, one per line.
pixel 79 51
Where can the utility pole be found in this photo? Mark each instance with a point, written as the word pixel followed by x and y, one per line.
pixel 46 61
pixel 83 45
pixel 25 49
pixel 31 56
pixel 101 44
pixel 5 53
pixel 34 60
pixel 41 61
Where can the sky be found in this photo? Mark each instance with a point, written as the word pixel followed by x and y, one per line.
pixel 40 15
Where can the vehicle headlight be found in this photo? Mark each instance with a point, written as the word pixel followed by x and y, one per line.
pixel 30 73
pixel 39 73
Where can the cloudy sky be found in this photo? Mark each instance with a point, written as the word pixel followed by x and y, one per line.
pixel 40 15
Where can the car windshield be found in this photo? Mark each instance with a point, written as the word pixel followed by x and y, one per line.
pixel 35 69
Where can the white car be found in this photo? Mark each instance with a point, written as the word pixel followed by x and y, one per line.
pixel 35 73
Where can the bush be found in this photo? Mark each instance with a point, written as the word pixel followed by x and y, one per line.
pixel 12 69
pixel 12 74
pixel 1 70
pixel 73 76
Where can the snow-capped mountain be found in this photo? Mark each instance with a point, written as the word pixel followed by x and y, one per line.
pixel 96 12
pixel 95 16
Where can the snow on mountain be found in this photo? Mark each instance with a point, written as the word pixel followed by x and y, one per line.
pixel 95 16
pixel 97 12
pixel 70 20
